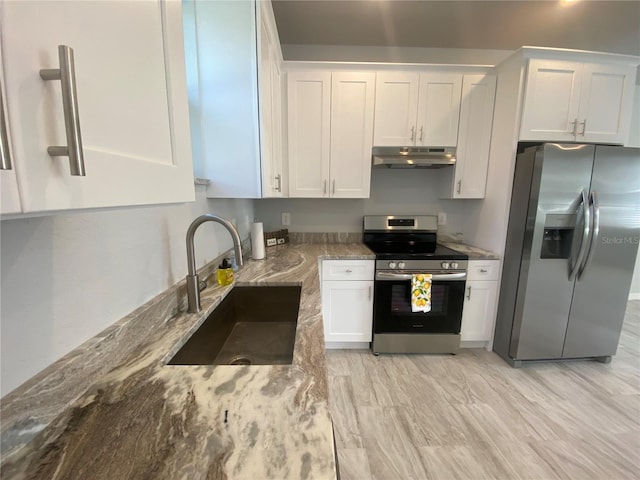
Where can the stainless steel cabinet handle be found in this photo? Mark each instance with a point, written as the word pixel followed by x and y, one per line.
pixel 459 186
pixel 574 128
pixel 482 270
pixel 279 184
pixel 573 269
pixel 333 187
pixel 595 206
pixel 421 133
pixel 5 158
pixel 445 277
pixel 67 76
pixel 348 270
pixel 370 292
pixel 413 133
pixel 584 127
pixel 469 292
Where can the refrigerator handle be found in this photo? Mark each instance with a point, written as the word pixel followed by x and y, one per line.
pixel 595 205
pixel 573 269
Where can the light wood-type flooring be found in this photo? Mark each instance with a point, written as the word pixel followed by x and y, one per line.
pixel 472 416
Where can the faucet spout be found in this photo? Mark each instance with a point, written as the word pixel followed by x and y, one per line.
pixel 193 290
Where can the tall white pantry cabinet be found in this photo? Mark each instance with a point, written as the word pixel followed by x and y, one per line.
pixel 132 108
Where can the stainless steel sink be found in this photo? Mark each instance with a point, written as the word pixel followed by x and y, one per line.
pixel 252 326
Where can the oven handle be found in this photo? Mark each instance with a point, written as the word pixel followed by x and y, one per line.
pixel 439 277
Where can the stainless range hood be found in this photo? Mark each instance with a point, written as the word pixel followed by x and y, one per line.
pixel 413 157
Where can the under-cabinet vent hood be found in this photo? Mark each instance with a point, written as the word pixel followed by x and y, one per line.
pixel 413 157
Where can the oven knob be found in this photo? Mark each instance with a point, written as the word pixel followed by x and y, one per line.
pixel 392 264
pixel 444 264
pixel 454 265
pixel 402 265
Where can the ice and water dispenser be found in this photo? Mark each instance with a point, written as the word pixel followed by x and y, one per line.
pixel 557 236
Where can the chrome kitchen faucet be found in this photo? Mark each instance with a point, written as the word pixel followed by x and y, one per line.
pixel 193 282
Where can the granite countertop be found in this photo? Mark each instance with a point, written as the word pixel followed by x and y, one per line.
pixel 146 419
pixel 475 253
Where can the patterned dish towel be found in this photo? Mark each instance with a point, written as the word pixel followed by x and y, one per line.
pixel 421 292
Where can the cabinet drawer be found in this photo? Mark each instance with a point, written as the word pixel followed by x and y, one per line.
pixel 483 270
pixel 348 269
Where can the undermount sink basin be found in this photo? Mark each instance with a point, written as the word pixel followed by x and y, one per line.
pixel 253 325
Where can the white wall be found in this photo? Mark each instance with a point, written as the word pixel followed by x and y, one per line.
pixel 392 192
pixel 65 278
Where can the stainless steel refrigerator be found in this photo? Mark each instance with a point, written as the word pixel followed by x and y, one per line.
pixel 572 240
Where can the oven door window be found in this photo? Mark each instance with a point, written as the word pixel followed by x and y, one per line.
pixel 392 308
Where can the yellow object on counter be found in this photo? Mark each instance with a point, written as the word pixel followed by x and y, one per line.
pixel 421 292
pixel 225 273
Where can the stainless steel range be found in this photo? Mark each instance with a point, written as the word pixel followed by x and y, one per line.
pixel 406 246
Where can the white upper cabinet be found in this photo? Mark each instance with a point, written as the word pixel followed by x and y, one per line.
pixel 9 195
pixel 396 108
pixel 309 111
pixel 438 109
pixel 420 109
pixel 474 137
pixel 577 101
pixel 352 100
pixel 238 100
pixel 131 98
pixel 330 129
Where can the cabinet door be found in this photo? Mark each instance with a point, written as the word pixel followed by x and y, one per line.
pixel 131 91
pixel 606 103
pixel 9 195
pixel 479 311
pixel 270 106
pixel 352 99
pixel 551 100
pixel 396 108
pixel 309 107
pixel 438 109
pixel 347 311
pixel 474 137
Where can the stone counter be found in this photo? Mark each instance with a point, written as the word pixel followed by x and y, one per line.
pixel 475 253
pixel 145 419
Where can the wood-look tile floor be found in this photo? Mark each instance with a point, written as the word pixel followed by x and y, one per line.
pixel 472 416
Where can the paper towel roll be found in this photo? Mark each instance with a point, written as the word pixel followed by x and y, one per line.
pixel 257 241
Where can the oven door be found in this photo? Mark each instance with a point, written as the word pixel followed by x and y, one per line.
pixel 392 303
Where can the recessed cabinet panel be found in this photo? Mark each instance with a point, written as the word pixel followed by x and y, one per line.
pixel 478 314
pixel 347 311
pixel 396 108
pixel 308 132
pixel 352 100
pixel 438 110
pixel 131 95
pixel 606 103
pixel 551 100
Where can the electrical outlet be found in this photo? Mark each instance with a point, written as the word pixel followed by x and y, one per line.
pixel 442 218
pixel 286 219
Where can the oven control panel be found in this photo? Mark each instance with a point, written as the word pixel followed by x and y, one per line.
pixel 421 264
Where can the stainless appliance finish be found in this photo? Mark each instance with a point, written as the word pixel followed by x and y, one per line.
pixel 194 286
pixel 406 245
pixel 573 234
pixel 413 157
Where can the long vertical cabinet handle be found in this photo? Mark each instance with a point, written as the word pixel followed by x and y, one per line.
pixel 469 292
pixel 421 133
pixel 279 185
pixel 584 127
pixel 67 76
pixel 5 158
pixel 459 186
pixel 595 206
pixel 413 134
pixel 370 292
pixel 573 270
pixel 574 128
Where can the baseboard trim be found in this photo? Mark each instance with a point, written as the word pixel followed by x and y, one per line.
pixel 346 345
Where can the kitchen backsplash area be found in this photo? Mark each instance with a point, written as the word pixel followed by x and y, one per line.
pixel 392 192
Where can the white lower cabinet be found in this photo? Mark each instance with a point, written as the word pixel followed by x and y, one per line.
pixel 479 311
pixel 347 301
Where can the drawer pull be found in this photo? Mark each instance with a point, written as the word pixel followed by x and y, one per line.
pixel 348 270
pixel 482 270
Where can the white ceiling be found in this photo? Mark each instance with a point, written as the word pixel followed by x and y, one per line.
pixel 607 26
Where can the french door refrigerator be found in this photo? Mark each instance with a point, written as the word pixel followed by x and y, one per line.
pixel 572 240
